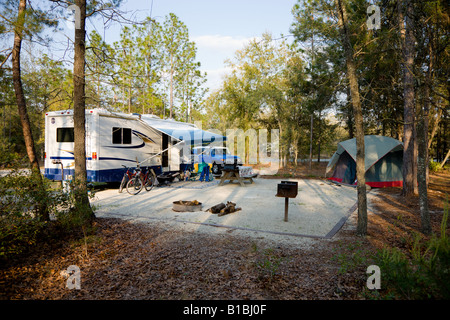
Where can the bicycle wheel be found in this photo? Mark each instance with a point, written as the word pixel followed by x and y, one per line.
pixel 135 185
pixel 150 183
pixel 123 183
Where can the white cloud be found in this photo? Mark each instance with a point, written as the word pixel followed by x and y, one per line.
pixel 219 42
pixel 212 52
pixel 215 77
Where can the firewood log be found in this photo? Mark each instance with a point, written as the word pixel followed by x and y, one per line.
pixel 216 208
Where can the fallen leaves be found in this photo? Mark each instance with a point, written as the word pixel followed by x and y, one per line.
pixel 140 261
pixel 125 260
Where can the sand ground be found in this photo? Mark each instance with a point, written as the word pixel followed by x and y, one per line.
pixel 319 209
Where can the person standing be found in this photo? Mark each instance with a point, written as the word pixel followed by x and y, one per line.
pixel 205 167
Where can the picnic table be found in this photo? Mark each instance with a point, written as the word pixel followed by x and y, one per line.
pixel 240 174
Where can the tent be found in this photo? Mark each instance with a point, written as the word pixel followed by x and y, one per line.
pixel 383 162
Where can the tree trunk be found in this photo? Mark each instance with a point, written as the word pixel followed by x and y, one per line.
pixel 422 155
pixel 22 106
pixel 99 104
pixel 311 142
pixel 422 176
pixel 318 136
pixel 407 41
pixel 357 110
pixel 129 96
pixel 444 130
pixel 445 159
pixel 79 115
pixel 171 85
pixel 349 114
pixel 435 127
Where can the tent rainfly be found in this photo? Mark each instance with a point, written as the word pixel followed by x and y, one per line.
pixel 383 162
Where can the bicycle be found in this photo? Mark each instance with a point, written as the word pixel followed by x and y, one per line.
pixel 149 179
pixel 126 177
pixel 136 183
pixel 140 180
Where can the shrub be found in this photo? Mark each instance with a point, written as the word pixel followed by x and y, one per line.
pixel 8 157
pixel 17 233
pixel 75 216
pixel 351 256
pixel 434 166
pixel 21 196
pixel 421 273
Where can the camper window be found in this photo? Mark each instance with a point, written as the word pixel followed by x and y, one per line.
pixel 64 135
pixel 126 136
pixel 121 135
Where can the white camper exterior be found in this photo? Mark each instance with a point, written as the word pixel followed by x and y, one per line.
pixel 113 140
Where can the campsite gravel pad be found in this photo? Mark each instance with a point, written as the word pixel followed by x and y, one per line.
pixel 318 211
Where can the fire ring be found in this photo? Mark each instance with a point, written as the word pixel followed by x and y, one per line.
pixel 189 206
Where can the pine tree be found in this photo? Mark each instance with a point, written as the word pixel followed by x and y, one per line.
pixel 357 111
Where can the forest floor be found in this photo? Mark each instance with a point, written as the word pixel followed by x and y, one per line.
pixel 124 260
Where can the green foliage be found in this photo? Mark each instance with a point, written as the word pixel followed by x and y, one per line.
pixel 421 273
pixel 74 215
pixel 20 223
pixel 151 62
pixel 378 59
pixel 351 257
pixel 20 193
pixel 268 262
pixel 17 233
pixel 7 154
pixel 178 56
pixel 269 87
pixel 19 203
pixel 435 166
pixel 34 19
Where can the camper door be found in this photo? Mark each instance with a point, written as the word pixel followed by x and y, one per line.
pixel 59 147
pixel 170 158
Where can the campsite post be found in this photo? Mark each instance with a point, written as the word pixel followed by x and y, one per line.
pixel 286 190
pixel 286 207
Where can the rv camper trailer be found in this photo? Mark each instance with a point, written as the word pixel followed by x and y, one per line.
pixel 115 140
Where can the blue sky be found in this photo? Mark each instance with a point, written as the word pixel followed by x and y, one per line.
pixel 219 28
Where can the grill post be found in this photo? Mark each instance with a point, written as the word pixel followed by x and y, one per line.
pixel 286 208
pixel 286 190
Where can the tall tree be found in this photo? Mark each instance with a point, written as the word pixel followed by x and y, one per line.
pixel 148 42
pixel 262 91
pixel 79 110
pixel 406 27
pixel 126 54
pixel 315 30
pixel 357 110
pixel 177 53
pixel 26 23
pixel 429 41
pixel 20 95
pixel 99 71
pixel 83 9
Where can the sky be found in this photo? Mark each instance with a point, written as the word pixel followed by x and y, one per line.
pixel 218 27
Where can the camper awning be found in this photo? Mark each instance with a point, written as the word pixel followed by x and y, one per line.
pixel 184 131
pixel 376 147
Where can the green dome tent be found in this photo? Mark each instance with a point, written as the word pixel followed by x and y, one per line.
pixel 383 162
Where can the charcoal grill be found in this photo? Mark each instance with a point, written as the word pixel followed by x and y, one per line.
pixel 286 190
